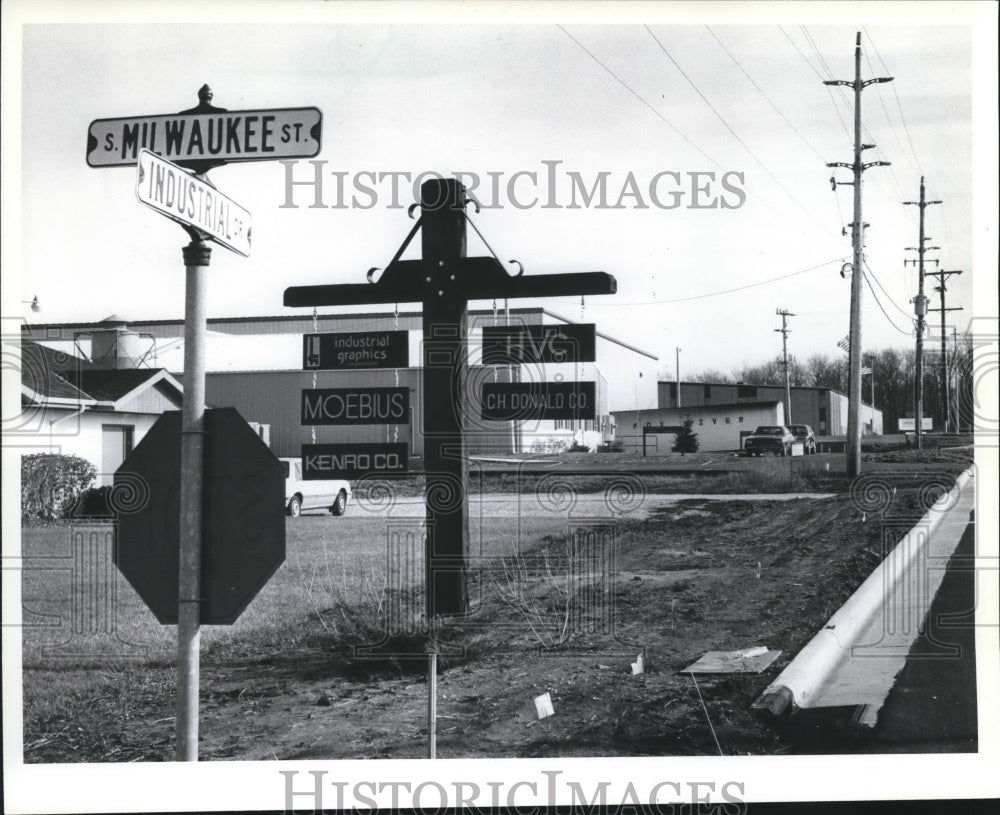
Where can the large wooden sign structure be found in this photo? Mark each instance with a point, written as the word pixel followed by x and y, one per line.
pixel 444 280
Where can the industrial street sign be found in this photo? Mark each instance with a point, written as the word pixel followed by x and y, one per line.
pixel 520 401
pixel 222 136
pixel 325 461
pixel 244 517
pixel 349 406
pixel 511 345
pixel 348 351
pixel 187 199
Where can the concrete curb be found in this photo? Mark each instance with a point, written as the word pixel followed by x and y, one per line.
pixel 812 667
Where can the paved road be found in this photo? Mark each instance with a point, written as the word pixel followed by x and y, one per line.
pixel 932 707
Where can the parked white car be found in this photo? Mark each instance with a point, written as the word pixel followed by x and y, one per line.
pixel 300 495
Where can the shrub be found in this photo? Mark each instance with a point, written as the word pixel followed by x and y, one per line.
pixel 576 447
pixel 51 483
pixel 687 440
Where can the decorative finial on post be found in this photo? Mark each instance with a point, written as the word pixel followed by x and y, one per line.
pixel 204 94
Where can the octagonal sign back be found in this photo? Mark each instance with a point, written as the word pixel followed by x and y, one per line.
pixel 243 517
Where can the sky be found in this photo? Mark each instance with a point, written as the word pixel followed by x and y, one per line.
pixel 720 109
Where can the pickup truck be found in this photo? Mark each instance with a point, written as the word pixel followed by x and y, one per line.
pixel 769 439
pixel 329 495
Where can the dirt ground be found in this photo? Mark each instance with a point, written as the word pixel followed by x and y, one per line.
pixel 693 577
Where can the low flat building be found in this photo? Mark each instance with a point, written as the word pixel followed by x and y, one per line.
pixel 823 409
pixel 719 427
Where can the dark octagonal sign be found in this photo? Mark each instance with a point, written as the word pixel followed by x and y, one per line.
pixel 243 532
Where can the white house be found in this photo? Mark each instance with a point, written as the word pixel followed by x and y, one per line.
pixel 71 405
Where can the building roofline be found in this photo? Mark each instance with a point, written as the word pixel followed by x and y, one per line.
pixel 287 318
pixel 751 385
pixel 81 326
pixel 753 403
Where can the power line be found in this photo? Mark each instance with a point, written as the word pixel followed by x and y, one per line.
pixel 625 85
pixel 879 304
pixel 731 291
pixel 899 105
pixel 885 110
pixel 726 124
pixel 833 100
pixel 902 310
pixel 762 93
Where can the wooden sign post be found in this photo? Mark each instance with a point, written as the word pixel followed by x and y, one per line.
pixel 444 280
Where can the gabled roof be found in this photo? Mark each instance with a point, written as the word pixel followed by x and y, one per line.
pixel 57 378
pixel 43 375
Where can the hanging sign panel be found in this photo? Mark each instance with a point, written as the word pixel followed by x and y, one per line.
pixel 326 461
pixel 355 350
pixel 348 406
pixel 510 345
pixel 229 136
pixel 507 401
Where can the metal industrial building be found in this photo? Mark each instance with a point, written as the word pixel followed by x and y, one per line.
pixel 823 409
pixel 724 414
pixel 255 364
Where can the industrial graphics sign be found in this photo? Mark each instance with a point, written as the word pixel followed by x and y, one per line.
pixel 347 351
pixel 504 401
pixel 348 406
pixel 325 461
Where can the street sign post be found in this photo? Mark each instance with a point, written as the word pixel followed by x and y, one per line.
pixel 191 201
pixel 218 135
pixel 243 515
pixel 197 139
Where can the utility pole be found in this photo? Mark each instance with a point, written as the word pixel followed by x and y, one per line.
pixel 784 354
pixel 954 357
pixel 945 384
pixel 920 309
pixel 677 357
pixel 857 268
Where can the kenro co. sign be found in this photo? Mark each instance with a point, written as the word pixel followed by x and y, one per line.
pixel 325 461
pixel 345 406
pixel 351 350
pixel 505 401
pixel 176 193
pixel 222 136
pixel 511 345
